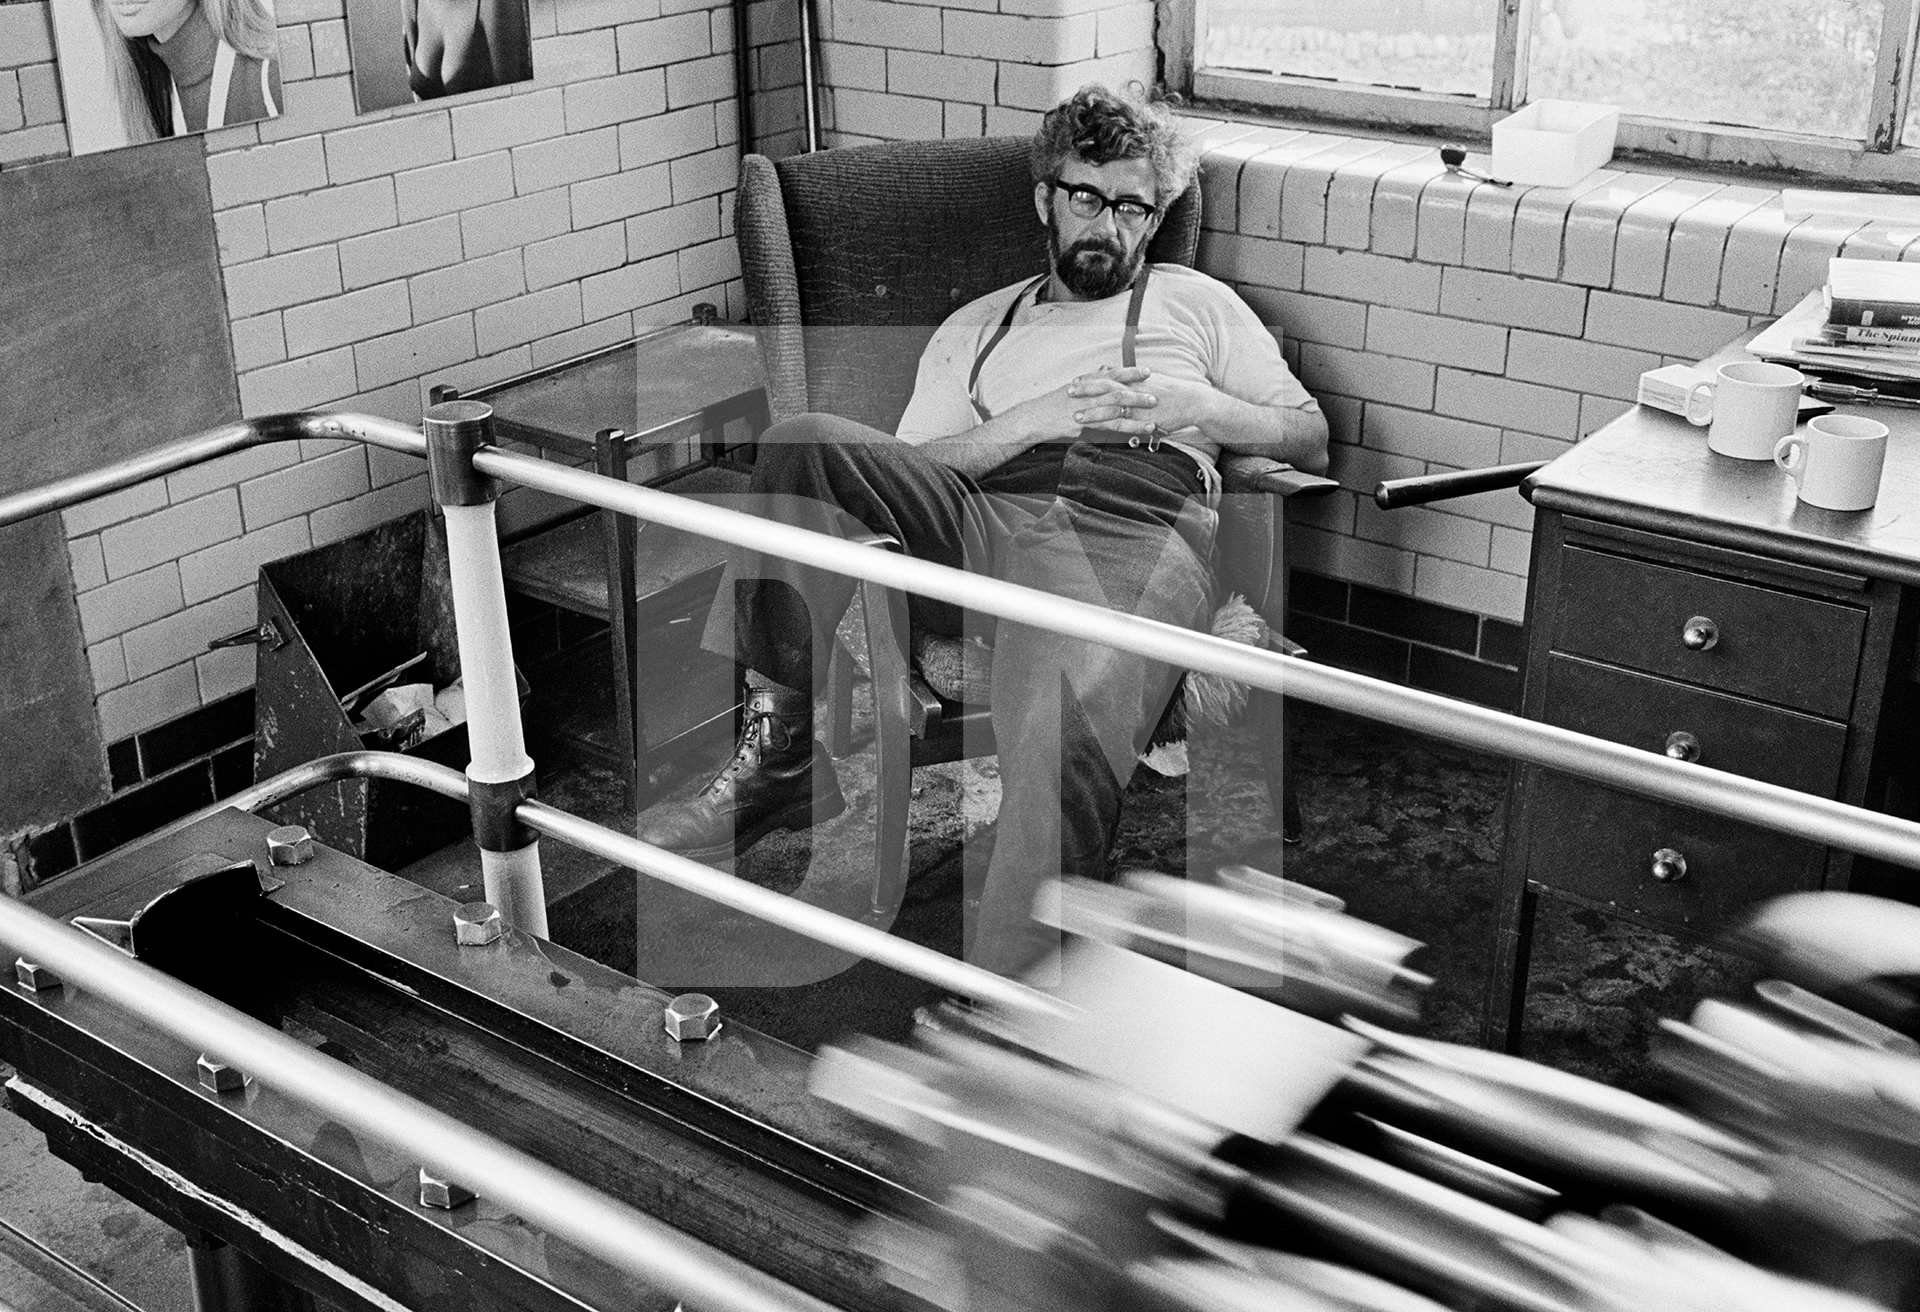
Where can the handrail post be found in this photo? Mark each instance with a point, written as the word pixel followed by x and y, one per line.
pixel 500 772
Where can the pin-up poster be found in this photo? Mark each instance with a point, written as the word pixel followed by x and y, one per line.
pixel 139 70
pixel 410 50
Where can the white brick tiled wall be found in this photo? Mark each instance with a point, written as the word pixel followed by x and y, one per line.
pixel 31 121
pixel 368 256
pixel 902 69
pixel 1446 324
pixel 1443 323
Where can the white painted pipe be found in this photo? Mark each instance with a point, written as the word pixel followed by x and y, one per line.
pixel 499 749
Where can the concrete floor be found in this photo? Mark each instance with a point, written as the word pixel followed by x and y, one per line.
pixel 1406 829
pixel 70 1246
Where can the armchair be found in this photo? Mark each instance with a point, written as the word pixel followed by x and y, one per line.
pixel 879 244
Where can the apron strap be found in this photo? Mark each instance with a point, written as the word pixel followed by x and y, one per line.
pixel 980 359
pixel 1127 335
pixel 1132 329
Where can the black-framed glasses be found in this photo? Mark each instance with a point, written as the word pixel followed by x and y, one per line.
pixel 1088 202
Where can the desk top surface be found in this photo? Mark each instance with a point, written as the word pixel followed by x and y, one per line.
pixel 1652 470
pixel 636 386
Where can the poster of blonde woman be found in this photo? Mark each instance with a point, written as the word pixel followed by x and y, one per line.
pixel 405 51
pixel 138 70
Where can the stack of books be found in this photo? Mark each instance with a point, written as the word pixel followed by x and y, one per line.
pixel 1871 319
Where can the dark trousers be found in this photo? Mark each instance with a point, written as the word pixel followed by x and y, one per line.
pixel 1120 527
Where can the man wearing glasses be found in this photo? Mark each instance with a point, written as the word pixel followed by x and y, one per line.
pixel 1062 434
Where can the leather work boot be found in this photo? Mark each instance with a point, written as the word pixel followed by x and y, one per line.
pixel 777 778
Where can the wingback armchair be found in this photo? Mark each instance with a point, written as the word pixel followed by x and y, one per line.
pixel 851 258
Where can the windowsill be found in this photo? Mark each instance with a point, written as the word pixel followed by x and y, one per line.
pixel 1625 160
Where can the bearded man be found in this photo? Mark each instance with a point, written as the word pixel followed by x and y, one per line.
pixel 1062 435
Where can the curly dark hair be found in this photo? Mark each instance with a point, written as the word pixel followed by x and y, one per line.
pixel 1100 125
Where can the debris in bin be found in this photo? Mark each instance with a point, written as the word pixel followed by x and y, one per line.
pixel 356 701
pixel 452 701
pixel 404 716
pixel 403 733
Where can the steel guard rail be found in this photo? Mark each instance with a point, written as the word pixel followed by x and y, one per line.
pixel 581 1215
pixel 198 448
pixel 804 918
pixel 621 1236
pixel 1646 773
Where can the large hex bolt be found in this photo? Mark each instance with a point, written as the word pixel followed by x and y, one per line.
pixel 692 1016
pixel 436 1192
pixel 476 924
pixel 289 845
pixel 219 1076
pixel 34 976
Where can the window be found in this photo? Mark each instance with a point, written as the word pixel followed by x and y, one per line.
pixel 1818 87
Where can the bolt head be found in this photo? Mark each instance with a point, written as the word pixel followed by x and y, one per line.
pixel 219 1076
pixel 436 1192
pixel 477 923
pixel 692 1016
pixel 289 845
pixel 34 976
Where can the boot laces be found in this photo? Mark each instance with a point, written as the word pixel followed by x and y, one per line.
pixel 760 728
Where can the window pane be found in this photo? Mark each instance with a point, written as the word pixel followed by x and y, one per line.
pixel 1797 65
pixel 1435 45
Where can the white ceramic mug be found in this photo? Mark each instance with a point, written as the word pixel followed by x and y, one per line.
pixel 1754 405
pixel 1837 461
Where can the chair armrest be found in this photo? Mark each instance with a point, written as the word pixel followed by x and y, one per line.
pixel 772 285
pixel 1261 474
pixel 1397 492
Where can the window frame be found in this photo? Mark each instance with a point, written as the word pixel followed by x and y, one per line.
pixel 1877 163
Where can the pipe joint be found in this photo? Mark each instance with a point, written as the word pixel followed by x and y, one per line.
pixel 496 827
pixel 454 431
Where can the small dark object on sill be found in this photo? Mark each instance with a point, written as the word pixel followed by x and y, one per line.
pixel 1456 156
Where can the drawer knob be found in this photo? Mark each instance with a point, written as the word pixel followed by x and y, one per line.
pixel 1669 867
pixel 1700 634
pixel 1683 746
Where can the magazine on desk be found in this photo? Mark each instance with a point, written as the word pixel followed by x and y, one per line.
pixel 1800 338
pixel 1873 293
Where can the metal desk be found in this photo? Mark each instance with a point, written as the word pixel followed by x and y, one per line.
pixel 1804 676
pixel 676 390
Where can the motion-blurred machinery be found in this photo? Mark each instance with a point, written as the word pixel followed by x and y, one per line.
pixel 1177 1145
pixel 1222 1109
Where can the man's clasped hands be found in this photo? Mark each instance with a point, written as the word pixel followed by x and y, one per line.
pixel 1113 400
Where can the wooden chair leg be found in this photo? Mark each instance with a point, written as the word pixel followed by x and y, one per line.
pixel 1506 1003
pixel 840 676
pixel 886 616
pixel 617 545
pixel 1276 759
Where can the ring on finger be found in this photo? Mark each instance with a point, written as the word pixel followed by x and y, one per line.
pixel 1126 412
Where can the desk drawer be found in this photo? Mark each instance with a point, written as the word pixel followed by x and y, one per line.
pixel 1739 736
pixel 1776 646
pixel 1600 844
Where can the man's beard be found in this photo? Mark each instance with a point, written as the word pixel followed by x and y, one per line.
pixel 1095 267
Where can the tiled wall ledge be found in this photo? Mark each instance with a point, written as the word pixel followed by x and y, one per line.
pixel 1446 323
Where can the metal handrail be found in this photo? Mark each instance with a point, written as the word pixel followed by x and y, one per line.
pixel 1647 773
pixel 198 448
pixel 804 918
pixel 621 1236
pixel 575 1212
